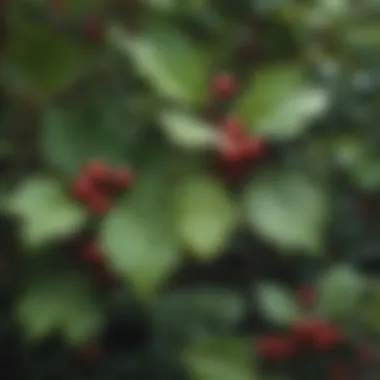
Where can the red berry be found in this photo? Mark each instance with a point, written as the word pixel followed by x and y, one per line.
pixel 230 152
pixel 304 332
pixel 224 86
pixel 233 129
pixel 99 204
pixel 275 347
pixel 121 178
pixel 96 171
pixel 82 189
pixel 327 338
pixel 252 148
pixel 92 253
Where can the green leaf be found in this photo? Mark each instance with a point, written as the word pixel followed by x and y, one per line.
pixel 60 301
pixel 364 35
pixel 138 235
pixel 191 313
pixel 205 216
pixel 187 131
pixel 219 359
pixel 369 311
pixel 339 290
pixel 288 210
pixel 277 304
pixel 70 139
pixel 40 61
pixel 175 68
pixel 278 104
pixel 46 211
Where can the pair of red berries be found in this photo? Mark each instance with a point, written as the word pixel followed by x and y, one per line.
pixel 98 185
pixel 238 146
pixel 318 335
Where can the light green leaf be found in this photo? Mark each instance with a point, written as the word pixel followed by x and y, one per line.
pixel 364 35
pixel 60 301
pixel 339 290
pixel 205 216
pixel 46 211
pixel 278 104
pixel 288 210
pixel 219 359
pixel 175 68
pixel 138 236
pixel 187 131
pixel 277 304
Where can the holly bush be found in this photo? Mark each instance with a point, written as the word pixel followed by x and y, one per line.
pixel 189 189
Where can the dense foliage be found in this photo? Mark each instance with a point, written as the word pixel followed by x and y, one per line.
pixel 189 189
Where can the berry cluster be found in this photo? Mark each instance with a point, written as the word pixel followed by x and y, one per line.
pixel 238 146
pixel 98 185
pixel 311 335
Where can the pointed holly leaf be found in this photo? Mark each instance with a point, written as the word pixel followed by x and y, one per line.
pixel 339 290
pixel 46 211
pixel 188 131
pixel 277 304
pixel 69 139
pixel 288 210
pixel 278 104
pixel 61 301
pixel 219 359
pixel 175 68
pixel 138 235
pixel 205 216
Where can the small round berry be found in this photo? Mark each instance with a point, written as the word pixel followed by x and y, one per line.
pixel 327 338
pixel 275 347
pixel 230 152
pixel 252 148
pixel 224 86
pixel 96 171
pixel 233 129
pixel 121 178
pixel 99 204
pixel 82 189
pixel 304 332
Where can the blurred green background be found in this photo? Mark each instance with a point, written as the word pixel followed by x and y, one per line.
pixel 189 189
